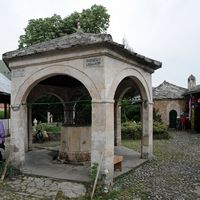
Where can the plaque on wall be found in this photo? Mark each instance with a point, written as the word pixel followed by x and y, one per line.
pixel 94 62
pixel 18 73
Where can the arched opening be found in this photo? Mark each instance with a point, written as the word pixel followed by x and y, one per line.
pixel 128 119
pixel 143 84
pixel 172 119
pixel 127 106
pixel 46 104
pixel 68 100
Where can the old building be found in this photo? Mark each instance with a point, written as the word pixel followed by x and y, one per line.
pixel 5 89
pixel 169 102
pixel 192 98
pixel 74 66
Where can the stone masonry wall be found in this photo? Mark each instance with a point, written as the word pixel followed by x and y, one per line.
pixel 165 106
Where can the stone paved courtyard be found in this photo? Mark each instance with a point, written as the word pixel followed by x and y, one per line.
pixel 173 174
pixel 41 188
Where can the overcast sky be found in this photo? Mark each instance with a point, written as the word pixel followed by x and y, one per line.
pixel 165 30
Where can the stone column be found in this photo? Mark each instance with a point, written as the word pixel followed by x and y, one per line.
pixel 117 124
pixel 64 115
pixel 147 129
pixel 30 129
pixel 102 140
pixel 18 134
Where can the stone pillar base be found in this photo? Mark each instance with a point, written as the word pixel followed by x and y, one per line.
pixel 74 157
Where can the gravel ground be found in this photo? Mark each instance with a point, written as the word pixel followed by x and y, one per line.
pixel 174 173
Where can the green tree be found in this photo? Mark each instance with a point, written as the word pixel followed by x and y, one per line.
pixel 47 103
pixel 130 111
pixel 92 20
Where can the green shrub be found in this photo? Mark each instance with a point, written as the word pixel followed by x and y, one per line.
pixel 1 114
pixel 53 128
pixel 11 170
pixel 160 131
pixel 133 130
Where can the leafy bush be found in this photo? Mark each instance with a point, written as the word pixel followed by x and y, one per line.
pixel 133 130
pixel 53 128
pixel 11 170
pixel 1 114
pixel 129 111
pixel 160 131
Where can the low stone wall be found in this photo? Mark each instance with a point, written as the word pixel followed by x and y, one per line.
pixel 75 144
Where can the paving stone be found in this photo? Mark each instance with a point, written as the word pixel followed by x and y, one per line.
pixel 40 192
pixel 31 184
pixel 53 186
pixel 51 194
pixel 39 183
pixel 197 190
pixel 47 182
pixel 173 174
pixel 72 190
pixel 31 190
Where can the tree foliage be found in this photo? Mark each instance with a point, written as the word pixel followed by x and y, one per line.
pixel 46 104
pixel 130 111
pixel 92 20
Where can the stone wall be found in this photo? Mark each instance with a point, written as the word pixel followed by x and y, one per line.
pixel 75 144
pixel 166 105
pixel 101 79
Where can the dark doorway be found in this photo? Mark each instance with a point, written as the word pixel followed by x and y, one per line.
pixel 172 119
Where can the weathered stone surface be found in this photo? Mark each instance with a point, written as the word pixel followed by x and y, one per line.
pixel 168 97
pixel 78 40
pixel 75 144
pixel 99 65
pixel 164 106
pixel 67 41
pixel 43 188
pixel 167 90
pixel 174 172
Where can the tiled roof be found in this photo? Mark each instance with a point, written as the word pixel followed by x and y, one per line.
pixel 81 39
pixel 167 90
pixel 193 91
pixel 4 70
pixel 5 84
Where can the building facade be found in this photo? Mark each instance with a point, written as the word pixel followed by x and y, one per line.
pixel 169 102
pixel 77 63
pixel 172 102
pixel 192 98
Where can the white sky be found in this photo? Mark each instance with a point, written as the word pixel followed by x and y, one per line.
pixel 165 30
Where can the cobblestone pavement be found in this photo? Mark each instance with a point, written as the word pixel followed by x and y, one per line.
pixel 173 174
pixel 33 188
